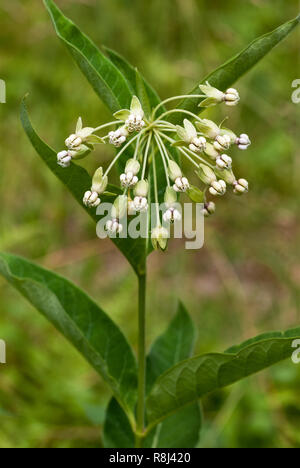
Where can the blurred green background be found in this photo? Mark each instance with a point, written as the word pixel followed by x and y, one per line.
pixel 243 282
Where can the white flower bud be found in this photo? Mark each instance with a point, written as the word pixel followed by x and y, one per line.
pixel 206 174
pixel 174 170
pixel 140 203
pixel 159 238
pixel 131 210
pixel 132 165
pixel 119 208
pixel 241 186
pixel 80 152
pixel 141 188
pixel 214 95
pixel 218 188
pixel 222 142
pixel 171 215
pixel 211 151
pixel 170 197
pixel 230 133
pixel 243 141
pixel 113 226
pixel 128 180
pixel 73 141
pixel 198 144
pixel 118 137
pixel 99 182
pixel 64 158
pixel 209 208
pixel 227 175
pixel 181 184
pixel 208 128
pixel 134 123
pixel 231 97
pixel 224 162
pixel 133 118
pixel 188 134
pixel 82 135
pixel 91 199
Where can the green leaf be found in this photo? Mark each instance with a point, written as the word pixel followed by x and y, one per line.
pixel 180 430
pixel 193 378
pixel 103 75
pixel 80 320
pixel 130 73
pixel 228 73
pixel 174 345
pixel 117 431
pixel 77 180
pixel 142 94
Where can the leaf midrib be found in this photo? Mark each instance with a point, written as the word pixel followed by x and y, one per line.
pixel 114 383
pixel 209 355
pixel 72 46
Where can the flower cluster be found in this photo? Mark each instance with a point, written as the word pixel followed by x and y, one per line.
pixel 201 142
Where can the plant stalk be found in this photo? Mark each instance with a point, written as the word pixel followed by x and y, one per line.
pixel 141 362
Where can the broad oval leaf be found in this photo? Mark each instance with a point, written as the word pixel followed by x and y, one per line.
pixel 80 320
pixel 174 345
pixel 228 73
pixel 103 75
pixel 193 378
pixel 117 432
pixel 180 430
pixel 130 74
pixel 77 180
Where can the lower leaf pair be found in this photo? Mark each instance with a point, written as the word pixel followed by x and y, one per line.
pixel 175 381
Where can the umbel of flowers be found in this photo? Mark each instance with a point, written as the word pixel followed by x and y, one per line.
pixel 202 142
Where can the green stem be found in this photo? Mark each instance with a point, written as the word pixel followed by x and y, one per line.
pixel 120 154
pixel 141 362
pixel 156 192
pixel 163 154
pixel 110 124
pixel 146 155
pixel 186 151
pixel 175 111
pixel 175 98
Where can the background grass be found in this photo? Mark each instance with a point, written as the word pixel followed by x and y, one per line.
pixel 244 281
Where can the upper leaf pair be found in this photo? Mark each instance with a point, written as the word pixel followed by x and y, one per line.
pixel 115 81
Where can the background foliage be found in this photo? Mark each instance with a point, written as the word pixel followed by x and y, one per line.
pixel 243 282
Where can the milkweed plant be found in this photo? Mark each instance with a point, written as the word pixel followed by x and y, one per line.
pixel 201 141
pixel 156 397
